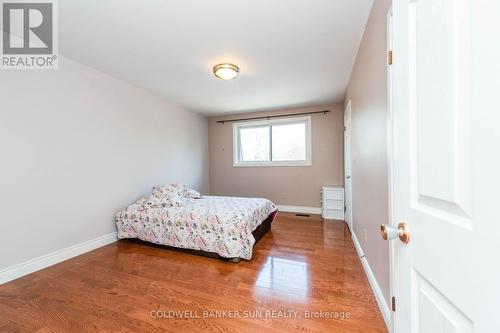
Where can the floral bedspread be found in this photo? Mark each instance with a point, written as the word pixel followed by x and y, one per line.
pixel 222 225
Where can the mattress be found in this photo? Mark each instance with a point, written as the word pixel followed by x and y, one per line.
pixel 221 225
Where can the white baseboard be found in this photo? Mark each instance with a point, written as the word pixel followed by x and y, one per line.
pixel 299 209
pixel 382 304
pixel 27 267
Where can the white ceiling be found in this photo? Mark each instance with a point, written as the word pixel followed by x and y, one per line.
pixel 290 52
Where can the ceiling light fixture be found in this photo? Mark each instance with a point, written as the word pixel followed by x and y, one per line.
pixel 226 71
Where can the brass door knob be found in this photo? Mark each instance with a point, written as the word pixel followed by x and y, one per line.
pixel 389 232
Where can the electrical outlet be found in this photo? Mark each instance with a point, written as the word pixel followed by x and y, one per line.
pixel 365 234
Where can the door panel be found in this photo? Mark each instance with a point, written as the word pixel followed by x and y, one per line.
pixel 435 313
pixel 438 94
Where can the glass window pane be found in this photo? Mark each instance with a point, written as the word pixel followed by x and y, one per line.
pixel 289 142
pixel 254 144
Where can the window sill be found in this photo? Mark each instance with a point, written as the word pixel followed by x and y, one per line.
pixel 276 164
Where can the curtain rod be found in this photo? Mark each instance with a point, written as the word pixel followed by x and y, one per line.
pixel 274 116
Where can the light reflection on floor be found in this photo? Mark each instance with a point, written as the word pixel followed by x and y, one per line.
pixel 283 277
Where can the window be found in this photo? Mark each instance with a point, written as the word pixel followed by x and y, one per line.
pixel 274 142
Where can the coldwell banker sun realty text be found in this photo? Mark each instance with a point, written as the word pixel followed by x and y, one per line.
pixel 29 34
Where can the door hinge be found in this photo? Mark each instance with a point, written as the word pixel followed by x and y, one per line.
pixel 389 57
pixel 393 303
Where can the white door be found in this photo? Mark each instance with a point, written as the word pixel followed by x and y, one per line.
pixel 446 151
pixel 347 166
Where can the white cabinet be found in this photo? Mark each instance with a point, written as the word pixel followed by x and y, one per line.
pixel 332 202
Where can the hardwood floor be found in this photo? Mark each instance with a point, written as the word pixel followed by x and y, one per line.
pixel 302 264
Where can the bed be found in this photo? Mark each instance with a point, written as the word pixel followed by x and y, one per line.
pixel 220 227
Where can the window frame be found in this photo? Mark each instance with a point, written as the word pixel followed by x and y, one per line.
pixel 268 123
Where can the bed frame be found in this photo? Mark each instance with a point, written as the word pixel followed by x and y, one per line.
pixel 258 233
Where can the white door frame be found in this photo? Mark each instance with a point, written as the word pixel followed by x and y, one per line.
pixel 348 194
pixel 390 165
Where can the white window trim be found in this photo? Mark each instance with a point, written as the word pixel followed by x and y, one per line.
pixel 307 162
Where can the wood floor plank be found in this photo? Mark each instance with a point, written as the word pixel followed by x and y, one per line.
pixel 304 264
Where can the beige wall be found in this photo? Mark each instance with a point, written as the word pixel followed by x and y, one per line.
pixel 77 146
pixel 368 94
pixel 295 186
